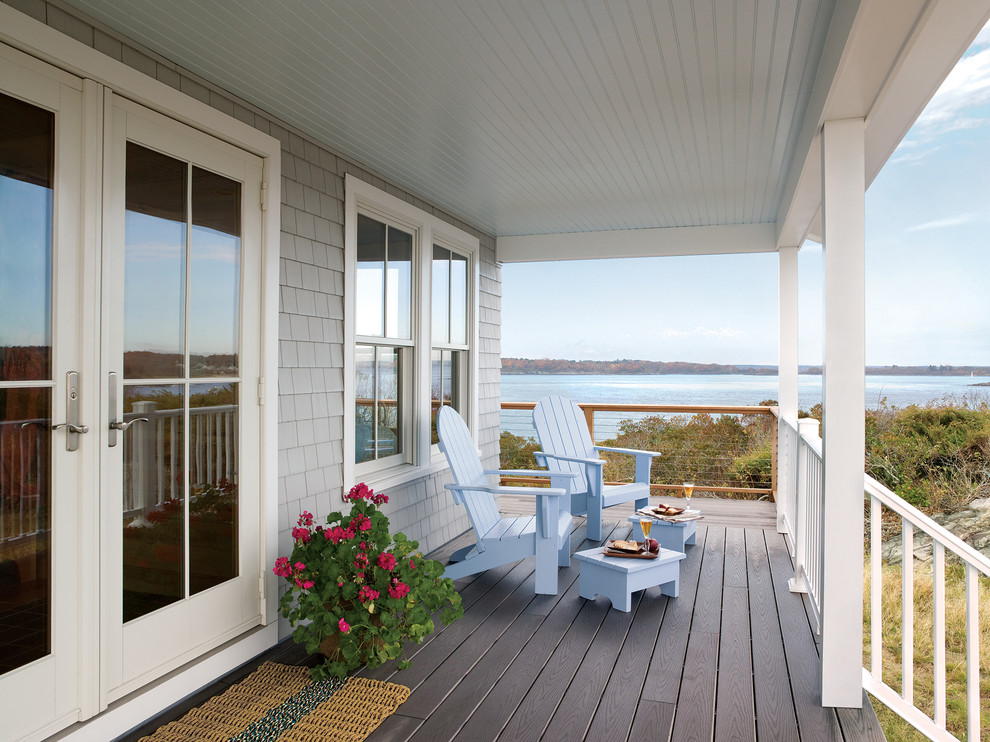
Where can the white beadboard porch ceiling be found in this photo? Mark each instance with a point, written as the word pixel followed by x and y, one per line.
pixel 523 116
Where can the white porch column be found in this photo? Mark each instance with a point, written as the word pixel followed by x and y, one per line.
pixel 843 230
pixel 787 362
pixel 787 381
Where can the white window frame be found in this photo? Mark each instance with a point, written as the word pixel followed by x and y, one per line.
pixel 422 458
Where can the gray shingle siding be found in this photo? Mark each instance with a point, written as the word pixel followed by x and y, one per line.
pixel 311 373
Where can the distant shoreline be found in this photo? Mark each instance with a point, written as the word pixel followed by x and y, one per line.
pixel 554 366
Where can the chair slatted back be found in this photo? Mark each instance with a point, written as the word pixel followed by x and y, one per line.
pixel 465 465
pixel 563 431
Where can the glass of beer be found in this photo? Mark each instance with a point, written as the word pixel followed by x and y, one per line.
pixel 647 525
pixel 688 489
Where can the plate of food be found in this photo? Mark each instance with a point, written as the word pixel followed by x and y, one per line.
pixel 666 510
pixel 648 549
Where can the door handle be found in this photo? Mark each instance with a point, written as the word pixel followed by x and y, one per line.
pixel 73 428
pixel 120 425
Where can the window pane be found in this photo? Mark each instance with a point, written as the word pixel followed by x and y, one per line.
pixel 399 283
pixel 215 270
pixel 154 264
pixel 390 402
pixel 436 389
pixel 441 295
pixel 25 526
pixel 370 284
pixel 27 155
pixel 212 485
pixel 364 403
pixel 458 299
pixel 154 499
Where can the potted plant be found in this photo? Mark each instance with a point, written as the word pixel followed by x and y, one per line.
pixel 356 592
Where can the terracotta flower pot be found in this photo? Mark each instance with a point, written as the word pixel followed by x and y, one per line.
pixel 330 647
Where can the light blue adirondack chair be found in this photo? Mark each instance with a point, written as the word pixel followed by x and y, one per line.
pixel 572 458
pixel 545 535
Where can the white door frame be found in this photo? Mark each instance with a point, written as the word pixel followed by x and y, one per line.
pixel 19 31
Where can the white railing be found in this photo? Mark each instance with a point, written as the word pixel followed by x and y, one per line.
pixel 153 456
pixel 941 540
pixel 801 498
pixel 153 462
pixel 809 552
pixel 23 478
pixel 788 440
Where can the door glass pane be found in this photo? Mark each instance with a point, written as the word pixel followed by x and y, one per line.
pixel 458 299
pixel 27 155
pixel 154 499
pixel 25 526
pixel 441 295
pixel 214 280
pixel 399 284
pixel 154 265
pixel 364 403
pixel 370 282
pixel 212 485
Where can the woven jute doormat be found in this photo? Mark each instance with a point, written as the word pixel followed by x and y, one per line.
pixel 280 702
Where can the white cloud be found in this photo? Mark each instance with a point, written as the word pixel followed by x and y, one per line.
pixel 952 221
pixel 967 86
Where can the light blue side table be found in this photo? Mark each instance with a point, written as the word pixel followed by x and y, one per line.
pixel 616 578
pixel 673 536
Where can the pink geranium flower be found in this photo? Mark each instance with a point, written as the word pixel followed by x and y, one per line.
pixel 343 626
pixel 386 561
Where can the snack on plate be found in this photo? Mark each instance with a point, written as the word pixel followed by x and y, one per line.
pixel 625 546
pixel 662 509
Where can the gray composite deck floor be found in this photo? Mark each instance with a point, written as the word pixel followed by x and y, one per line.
pixel 732 658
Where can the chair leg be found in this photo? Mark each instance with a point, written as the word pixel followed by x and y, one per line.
pixel 546 566
pixel 594 519
pixel 564 552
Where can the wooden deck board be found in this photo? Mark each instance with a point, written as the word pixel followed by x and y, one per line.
pixel 775 719
pixel 732 658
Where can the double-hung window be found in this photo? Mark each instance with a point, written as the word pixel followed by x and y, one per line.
pixel 448 357
pixel 410 333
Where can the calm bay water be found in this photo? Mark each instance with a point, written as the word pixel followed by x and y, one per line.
pixel 898 391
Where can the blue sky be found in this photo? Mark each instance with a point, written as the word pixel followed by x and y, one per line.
pixel 927 268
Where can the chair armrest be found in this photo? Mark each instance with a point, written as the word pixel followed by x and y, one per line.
pixel 528 473
pixel 498 490
pixel 575 459
pixel 631 451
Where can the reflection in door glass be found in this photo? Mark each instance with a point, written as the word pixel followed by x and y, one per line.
pixel 25 526
pixel 154 499
pixel 154 265
pixel 27 155
pixel 214 274
pixel 212 485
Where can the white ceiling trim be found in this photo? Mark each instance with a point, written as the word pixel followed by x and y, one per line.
pixel 637 243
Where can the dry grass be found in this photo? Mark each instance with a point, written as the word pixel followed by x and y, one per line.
pixel 894 727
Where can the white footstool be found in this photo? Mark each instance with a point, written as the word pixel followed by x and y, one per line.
pixel 616 577
pixel 674 536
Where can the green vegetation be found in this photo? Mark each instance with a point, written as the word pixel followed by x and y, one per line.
pixel 937 456
pixel 894 727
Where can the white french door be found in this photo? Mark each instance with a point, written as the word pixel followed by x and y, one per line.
pixel 42 385
pixel 181 361
pixel 130 357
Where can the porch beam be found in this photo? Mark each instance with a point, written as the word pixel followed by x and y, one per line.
pixel 843 435
pixel 637 243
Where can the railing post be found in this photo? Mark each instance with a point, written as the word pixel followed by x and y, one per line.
pixel 807 427
pixel 589 416
pixel 143 458
pixel 774 458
